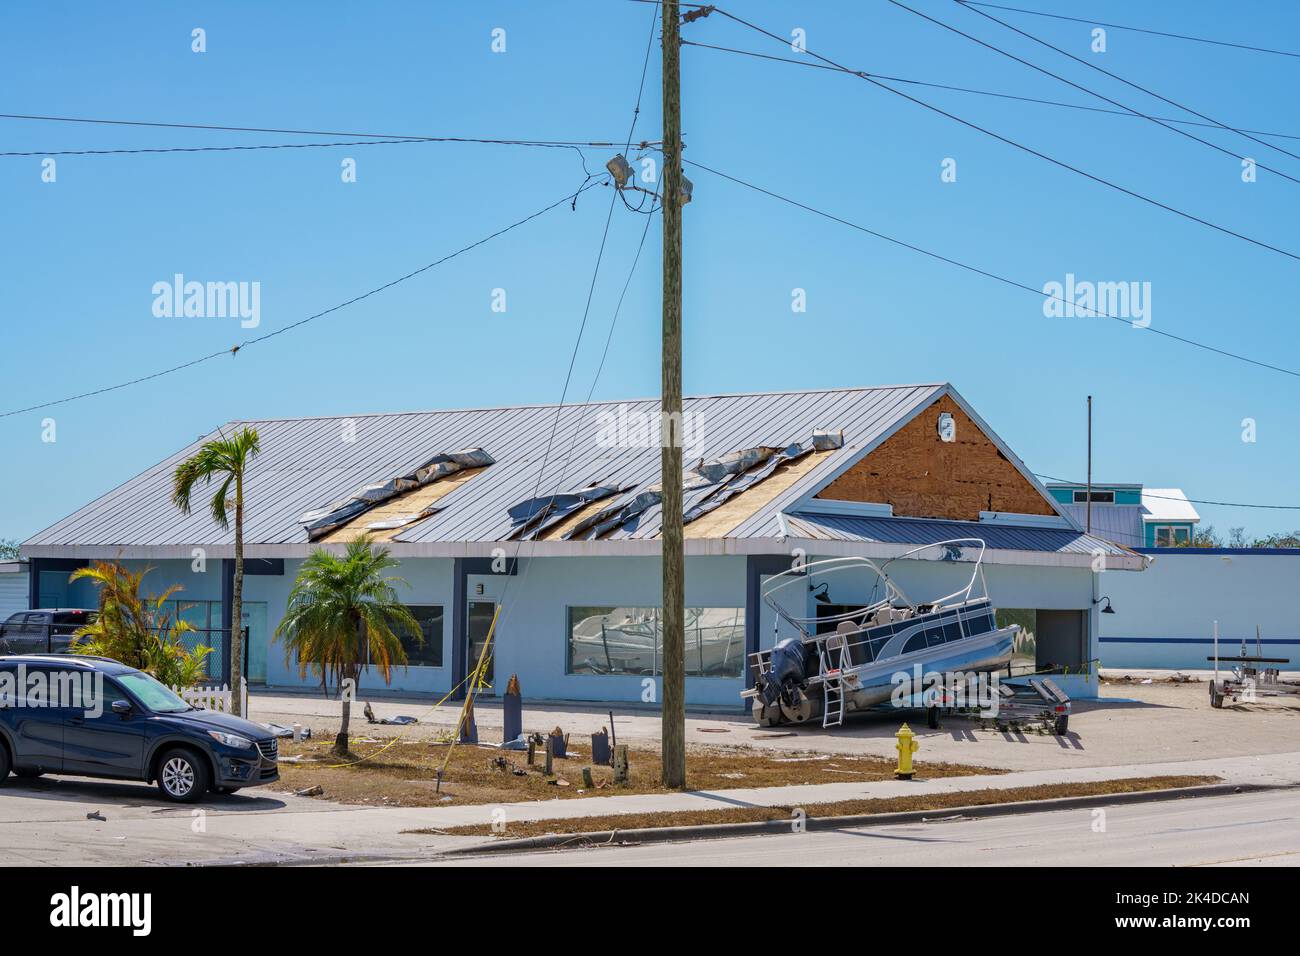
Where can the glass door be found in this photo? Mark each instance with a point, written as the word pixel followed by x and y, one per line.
pixel 479 623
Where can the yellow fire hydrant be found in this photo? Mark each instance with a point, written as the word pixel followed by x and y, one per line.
pixel 907 745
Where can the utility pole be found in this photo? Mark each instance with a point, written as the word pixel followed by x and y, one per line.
pixel 1088 526
pixel 673 714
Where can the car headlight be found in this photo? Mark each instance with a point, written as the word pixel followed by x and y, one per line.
pixel 230 740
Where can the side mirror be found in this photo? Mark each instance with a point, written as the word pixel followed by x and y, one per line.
pixel 122 707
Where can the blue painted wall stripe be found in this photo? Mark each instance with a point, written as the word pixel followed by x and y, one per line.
pixel 1223 641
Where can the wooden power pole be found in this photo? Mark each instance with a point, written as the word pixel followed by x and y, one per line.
pixel 674 612
pixel 1088 510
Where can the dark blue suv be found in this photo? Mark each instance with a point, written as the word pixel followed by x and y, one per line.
pixel 95 717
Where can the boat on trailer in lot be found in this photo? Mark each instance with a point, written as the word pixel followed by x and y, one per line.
pixel 873 649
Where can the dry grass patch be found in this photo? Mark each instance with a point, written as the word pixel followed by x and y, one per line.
pixel 404 774
pixel 840 808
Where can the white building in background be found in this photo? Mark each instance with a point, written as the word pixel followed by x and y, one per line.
pixel 1165 616
pixel 13 588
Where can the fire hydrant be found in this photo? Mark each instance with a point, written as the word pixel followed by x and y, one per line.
pixel 907 745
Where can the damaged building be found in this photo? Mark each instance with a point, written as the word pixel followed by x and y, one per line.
pixel 557 526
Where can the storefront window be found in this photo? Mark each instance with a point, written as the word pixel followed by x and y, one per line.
pixel 428 651
pixel 629 641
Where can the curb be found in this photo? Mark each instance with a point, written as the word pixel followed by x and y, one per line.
pixel 715 831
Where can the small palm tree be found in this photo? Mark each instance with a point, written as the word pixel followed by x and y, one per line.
pixel 343 616
pixel 138 631
pixel 224 459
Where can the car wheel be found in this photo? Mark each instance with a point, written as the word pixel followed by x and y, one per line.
pixel 1062 726
pixel 4 762
pixel 182 776
pixel 27 773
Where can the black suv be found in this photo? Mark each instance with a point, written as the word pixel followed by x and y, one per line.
pixel 95 717
pixel 43 630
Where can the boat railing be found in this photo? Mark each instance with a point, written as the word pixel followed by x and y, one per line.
pixel 893 594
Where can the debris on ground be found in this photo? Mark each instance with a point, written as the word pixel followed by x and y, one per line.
pixel 287 733
pixel 312 791
pixel 401 720
pixel 808 759
pixel 559 742
pixel 96 815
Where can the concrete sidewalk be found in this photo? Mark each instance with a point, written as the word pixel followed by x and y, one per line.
pixel 1275 769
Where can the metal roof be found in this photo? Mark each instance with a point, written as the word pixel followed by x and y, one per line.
pixel 1119 523
pixel 1167 504
pixel 308 462
pixel 918 531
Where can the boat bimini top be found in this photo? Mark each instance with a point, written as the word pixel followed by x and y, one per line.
pixel 887 603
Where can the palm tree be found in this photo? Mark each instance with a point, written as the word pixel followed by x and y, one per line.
pixel 225 459
pixel 341 618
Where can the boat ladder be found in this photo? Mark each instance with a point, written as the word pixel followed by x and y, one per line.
pixel 833 653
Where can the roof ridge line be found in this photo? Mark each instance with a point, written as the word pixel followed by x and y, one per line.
pixel 615 401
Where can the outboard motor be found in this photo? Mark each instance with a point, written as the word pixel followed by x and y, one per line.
pixel 786 670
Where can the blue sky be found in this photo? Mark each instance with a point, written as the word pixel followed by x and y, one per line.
pixel 81 254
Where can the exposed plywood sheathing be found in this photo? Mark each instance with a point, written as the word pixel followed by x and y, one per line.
pixel 411 502
pixel 728 516
pixel 557 531
pixel 925 477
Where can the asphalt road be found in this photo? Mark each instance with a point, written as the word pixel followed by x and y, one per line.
pixel 1249 829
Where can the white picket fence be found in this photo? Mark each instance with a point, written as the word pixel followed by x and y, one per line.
pixel 213 697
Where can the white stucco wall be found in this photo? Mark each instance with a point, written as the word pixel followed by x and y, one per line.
pixel 1164 617
pixel 533 628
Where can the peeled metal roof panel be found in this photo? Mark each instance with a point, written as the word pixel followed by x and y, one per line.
pixel 307 461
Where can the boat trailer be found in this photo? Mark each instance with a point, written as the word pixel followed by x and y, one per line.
pixel 1033 702
pixel 1251 675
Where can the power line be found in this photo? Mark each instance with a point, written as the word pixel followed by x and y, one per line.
pixel 570 198
pixel 636 111
pixel 966 89
pixel 209 149
pixel 1117 26
pixel 1092 92
pixel 1116 76
pixel 502 606
pixel 984 272
pixel 1195 501
pixel 500 141
pixel 1028 149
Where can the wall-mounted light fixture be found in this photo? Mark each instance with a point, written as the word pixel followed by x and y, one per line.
pixel 947 427
pixel 1106 609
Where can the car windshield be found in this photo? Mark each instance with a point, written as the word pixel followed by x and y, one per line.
pixel 154 695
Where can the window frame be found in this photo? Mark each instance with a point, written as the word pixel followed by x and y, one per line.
pixel 442 635
pixel 1098 497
